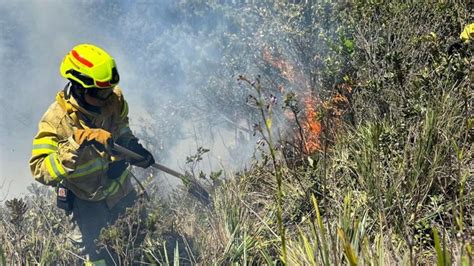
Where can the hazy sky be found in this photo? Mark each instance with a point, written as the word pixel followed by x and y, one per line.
pixel 153 52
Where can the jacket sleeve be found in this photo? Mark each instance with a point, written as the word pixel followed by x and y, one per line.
pixel 51 159
pixel 122 134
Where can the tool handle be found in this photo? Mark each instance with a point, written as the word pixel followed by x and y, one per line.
pixel 193 187
pixel 137 156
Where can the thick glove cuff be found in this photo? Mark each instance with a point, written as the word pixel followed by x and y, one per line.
pixel 147 160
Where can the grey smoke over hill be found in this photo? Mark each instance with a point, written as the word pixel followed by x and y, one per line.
pixel 165 54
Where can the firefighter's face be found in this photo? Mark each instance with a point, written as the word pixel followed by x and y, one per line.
pixel 97 97
pixel 94 101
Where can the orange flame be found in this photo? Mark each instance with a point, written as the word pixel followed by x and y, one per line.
pixel 312 126
pixel 334 107
pixel 286 69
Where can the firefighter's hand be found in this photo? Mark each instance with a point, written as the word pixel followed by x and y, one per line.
pixel 147 160
pixel 97 136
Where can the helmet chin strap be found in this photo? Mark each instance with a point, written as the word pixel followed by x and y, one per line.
pixel 67 91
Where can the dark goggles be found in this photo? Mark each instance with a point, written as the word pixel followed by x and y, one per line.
pixel 100 93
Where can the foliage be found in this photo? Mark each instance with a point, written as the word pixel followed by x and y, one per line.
pixel 389 183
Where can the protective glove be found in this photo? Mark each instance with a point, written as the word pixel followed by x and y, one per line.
pixel 95 136
pixel 147 160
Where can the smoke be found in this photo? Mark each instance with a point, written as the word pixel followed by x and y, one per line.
pixel 163 56
pixel 34 37
pixel 178 62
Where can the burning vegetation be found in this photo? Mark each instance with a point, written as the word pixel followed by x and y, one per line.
pixel 312 128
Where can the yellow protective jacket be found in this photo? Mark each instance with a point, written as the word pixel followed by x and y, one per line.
pixel 57 158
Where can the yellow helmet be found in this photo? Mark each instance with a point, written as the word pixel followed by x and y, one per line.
pixel 90 66
pixel 468 33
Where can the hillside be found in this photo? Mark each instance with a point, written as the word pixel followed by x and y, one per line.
pixel 360 118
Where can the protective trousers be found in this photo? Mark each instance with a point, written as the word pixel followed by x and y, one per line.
pixel 91 217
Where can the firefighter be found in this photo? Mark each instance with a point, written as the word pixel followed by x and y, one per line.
pixel 73 149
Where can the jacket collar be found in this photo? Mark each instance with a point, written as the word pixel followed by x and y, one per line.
pixel 71 105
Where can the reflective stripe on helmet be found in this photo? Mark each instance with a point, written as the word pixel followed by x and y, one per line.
pixel 101 84
pixel 81 59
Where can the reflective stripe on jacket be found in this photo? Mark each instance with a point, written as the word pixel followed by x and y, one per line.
pixel 56 157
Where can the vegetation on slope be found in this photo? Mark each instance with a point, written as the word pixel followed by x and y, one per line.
pixel 365 122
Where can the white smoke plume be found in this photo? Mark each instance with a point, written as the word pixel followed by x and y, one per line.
pixel 163 58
